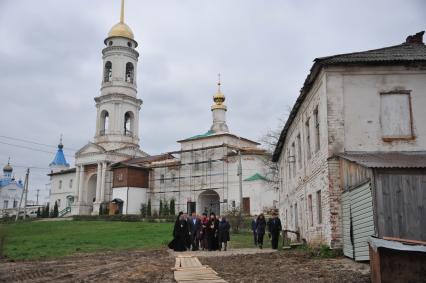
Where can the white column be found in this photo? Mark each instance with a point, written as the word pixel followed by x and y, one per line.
pixel 98 182
pixel 77 180
pixel 80 185
pixel 104 167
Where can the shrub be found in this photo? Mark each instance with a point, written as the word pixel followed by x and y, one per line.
pixel 148 209
pixel 322 251
pixel 172 207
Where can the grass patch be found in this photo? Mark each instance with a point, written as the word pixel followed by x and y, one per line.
pixel 322 251
pixel 60 238
pixel 52 239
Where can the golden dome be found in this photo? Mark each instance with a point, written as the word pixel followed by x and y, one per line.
pixel 121 29
pixel 218 98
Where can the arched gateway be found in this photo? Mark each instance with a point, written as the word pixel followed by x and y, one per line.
pixel 209 201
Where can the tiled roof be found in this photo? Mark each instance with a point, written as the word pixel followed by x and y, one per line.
pixel 412 52
pixel 395 159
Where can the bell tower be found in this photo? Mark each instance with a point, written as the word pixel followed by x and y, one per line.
pixel 117 119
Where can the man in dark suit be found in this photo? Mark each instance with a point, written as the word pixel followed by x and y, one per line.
pixel 194 228
pixel 274 228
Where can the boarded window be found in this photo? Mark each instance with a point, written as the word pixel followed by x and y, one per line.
pixel 319 207
pixel 299 151
pixel 308 140
pixel 293 150
pixel 311 216
pixel 317 129
pixel 395 116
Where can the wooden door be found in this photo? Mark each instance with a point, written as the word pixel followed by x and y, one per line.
pixel 246 205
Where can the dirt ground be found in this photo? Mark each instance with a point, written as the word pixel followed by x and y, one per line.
pixel 123 266
pixel 155 266
pixel 287 266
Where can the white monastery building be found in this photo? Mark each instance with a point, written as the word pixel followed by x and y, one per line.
pixel 206 174
pixel 354 139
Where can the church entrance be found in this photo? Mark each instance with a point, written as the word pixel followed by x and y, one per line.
pixel 91 190
pixel 209 201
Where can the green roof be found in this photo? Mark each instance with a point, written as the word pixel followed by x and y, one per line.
pixel 256 177
pixel 209 133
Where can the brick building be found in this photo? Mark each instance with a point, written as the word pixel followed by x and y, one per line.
pixel 369 102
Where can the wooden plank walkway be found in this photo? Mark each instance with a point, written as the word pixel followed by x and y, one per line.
pixel 188 269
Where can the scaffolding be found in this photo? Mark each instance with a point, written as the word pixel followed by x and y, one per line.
pixel 199 169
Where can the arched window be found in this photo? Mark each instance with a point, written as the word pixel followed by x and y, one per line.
pixel 128 124
pixel 129 72
pixel 107 71
pixel 104 122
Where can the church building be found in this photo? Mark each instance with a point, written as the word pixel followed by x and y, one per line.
pixel 215 171
pixel 10 190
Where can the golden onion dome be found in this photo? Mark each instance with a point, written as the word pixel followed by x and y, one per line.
pixel 218 98
pixel 122 30
pixel 7 168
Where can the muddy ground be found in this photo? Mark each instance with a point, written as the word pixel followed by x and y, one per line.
pixel 121 266
pixel 155 266
pixel 287 266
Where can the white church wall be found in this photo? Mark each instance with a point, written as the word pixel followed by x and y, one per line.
pixel 61 186
pixel 132 198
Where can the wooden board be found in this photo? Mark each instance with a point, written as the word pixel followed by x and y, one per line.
pixel 188 269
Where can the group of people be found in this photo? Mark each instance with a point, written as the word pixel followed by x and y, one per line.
pixel 200 232
pixel 259 225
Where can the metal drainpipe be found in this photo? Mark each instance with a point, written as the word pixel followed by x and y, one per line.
pixel 127 200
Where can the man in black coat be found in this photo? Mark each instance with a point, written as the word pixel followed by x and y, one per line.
pixel 274 228
pixel 194 228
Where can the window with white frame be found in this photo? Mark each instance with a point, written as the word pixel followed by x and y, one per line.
pixel 395 115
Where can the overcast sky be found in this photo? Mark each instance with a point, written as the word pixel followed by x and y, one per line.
pixel 51 64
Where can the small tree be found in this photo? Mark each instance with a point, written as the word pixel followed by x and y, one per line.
pixel 38 213
pixel 166 209
pixel 148 209
pixel 160 212
pixel 46 211
pixel 235 219
pixel 55 212
pixel 143 210
pixel 172 207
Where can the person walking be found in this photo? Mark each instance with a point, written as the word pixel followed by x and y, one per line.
pixel 223 233
pixel 188 235
pixel 274 229
pixel 194 227
pixel 203 232
pixel 260 229
pixel 253 229
pixel 211 231
pixel 180 232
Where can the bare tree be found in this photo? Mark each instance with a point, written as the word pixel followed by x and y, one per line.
pixel 269 141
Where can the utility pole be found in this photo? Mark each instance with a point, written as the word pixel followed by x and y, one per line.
pixel 240 174
pixel 23 195
pixel 38 190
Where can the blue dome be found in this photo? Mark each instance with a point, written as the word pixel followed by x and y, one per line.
pixel 59 159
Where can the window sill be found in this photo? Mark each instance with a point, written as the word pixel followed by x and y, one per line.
pixel 391 139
